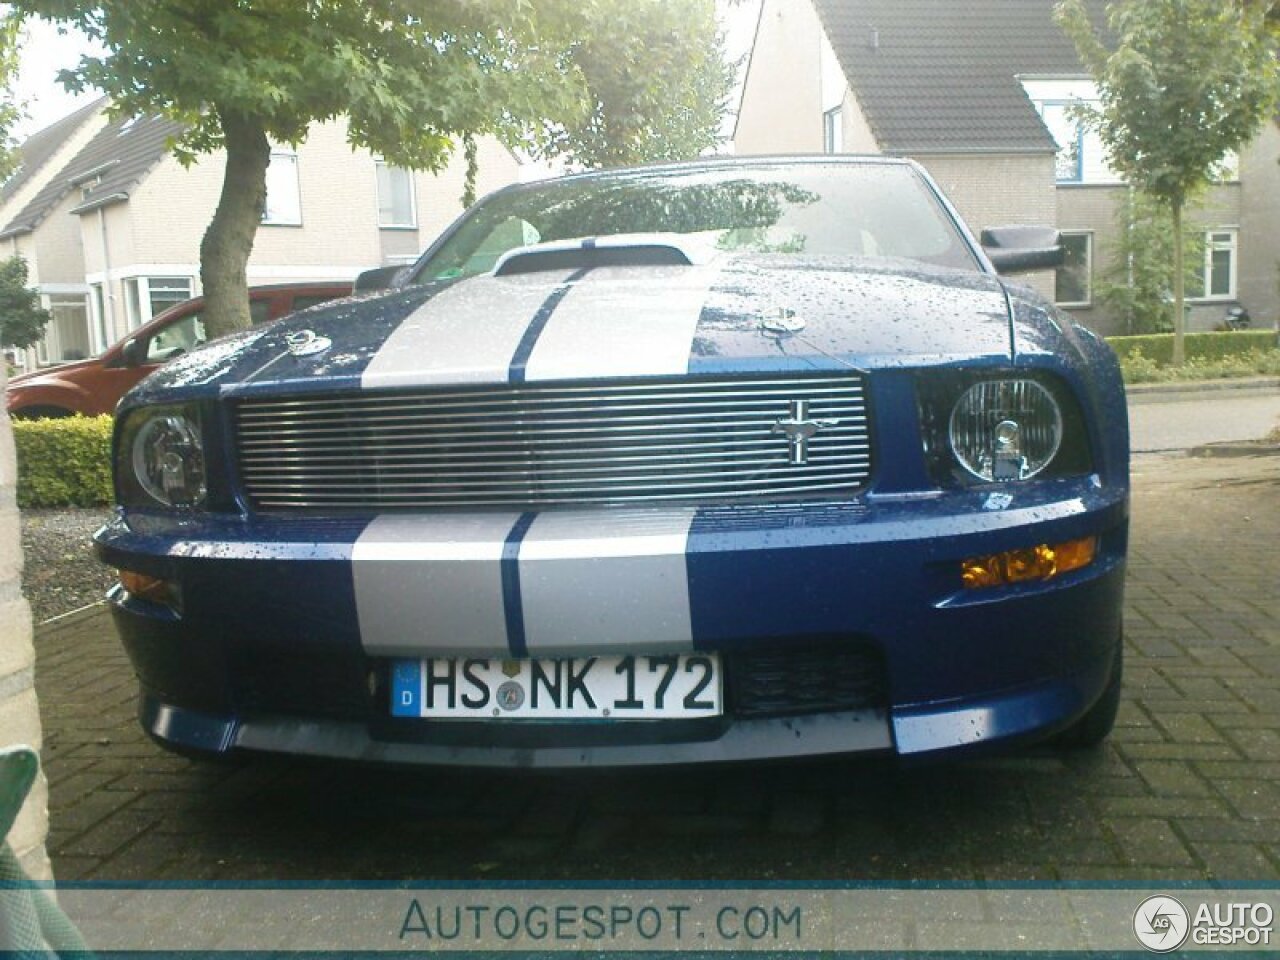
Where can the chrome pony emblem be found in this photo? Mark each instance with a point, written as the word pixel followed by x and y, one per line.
pixel 306 343
pixel 782 321
pixel 800 429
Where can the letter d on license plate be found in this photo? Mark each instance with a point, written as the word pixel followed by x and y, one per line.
pixel 581 688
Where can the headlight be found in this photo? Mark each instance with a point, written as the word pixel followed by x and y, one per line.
pixel 1005 429
pixel 160 458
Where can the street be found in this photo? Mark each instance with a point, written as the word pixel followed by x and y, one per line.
pixel 1188 787
pixel 1176 420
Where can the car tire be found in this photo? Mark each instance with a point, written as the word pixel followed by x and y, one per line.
pixel 1092 728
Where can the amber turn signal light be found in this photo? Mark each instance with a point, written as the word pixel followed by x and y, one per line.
pixel 149 588
pixel 1043 562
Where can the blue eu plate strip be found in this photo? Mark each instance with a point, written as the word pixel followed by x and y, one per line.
pixel 406 688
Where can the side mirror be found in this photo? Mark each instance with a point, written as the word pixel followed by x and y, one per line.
pixel 1022 249
pixel 134 352
pixel 379 278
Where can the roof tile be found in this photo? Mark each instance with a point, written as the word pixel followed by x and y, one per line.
pixel 936 77
pixel 123 152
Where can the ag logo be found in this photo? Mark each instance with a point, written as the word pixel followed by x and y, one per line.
pixel 1161 924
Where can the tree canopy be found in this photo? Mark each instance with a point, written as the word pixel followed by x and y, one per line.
pixel 10 109
pixel 594 79
pixel 1185 82
pixel 1136 286
pixel 632 115
pixel 22 319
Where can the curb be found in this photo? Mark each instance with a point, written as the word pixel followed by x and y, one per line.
pixel 1241 384
pixel 70 618
pixel 1247 448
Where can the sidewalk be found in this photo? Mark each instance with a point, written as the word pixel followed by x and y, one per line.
pixel 1139 392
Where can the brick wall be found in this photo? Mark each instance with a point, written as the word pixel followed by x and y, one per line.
pixel 19 716
pixel 991 190
pixel 1093 209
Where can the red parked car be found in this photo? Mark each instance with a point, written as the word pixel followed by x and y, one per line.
pixel 93 387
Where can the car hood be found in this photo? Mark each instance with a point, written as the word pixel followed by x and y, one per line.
pixel 737 314
pixel 53 374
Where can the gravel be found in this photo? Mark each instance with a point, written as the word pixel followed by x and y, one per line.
pixel 61 573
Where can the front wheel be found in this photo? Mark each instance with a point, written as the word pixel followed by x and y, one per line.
pixel 1097 722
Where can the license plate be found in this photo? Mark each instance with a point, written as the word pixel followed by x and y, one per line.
pixel 579 688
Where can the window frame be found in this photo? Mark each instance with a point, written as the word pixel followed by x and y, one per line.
pixel 833 130
pixel 1041 105
pixel 51 349
pixel 379 164
pixel 1230 246
pixel 1087 303
pixel 139 294
pixel 170 286
pixel 99 340
pixel 268 221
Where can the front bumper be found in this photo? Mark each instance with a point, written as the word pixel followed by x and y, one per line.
pixel 273 651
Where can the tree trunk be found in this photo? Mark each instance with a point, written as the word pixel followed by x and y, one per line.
pixel 1179 289
pixel 225 249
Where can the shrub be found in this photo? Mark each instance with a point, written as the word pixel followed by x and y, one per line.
pixel 64 462
pixel 1138 368
pixel 1158 347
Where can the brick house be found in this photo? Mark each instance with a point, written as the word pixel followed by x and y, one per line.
pixel 979 93
pixel 110 222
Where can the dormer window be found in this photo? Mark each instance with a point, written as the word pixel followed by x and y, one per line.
pixel 1068 133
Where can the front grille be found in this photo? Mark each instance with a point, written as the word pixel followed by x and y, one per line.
pixel 535 446
pixel 818 679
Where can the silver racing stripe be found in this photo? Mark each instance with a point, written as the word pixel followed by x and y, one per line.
pixel 586 582
pixel 623 322
pixel 595 581
pixel 432 584
pixel 466 334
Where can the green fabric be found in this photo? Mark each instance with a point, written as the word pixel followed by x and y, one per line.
pixel 31 925
pixel 18 768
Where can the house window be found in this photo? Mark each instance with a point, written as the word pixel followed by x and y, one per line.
pixel 284 202
pixel 1068 133
pixel 1072 287
pixel 164 292
pixel 133 303
pixel 395 196
pixel 1217 280
pixel 832 131
pixel 146 297
pixel 98 301
pixel 67 337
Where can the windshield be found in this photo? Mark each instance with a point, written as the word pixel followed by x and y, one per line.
pixel 810 210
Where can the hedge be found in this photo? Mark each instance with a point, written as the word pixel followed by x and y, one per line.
pixel 1158 347
pixel 64 462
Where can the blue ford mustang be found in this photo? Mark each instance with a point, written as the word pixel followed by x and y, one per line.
pixel 715 461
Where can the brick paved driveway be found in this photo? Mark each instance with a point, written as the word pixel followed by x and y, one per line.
pixel 1189 786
